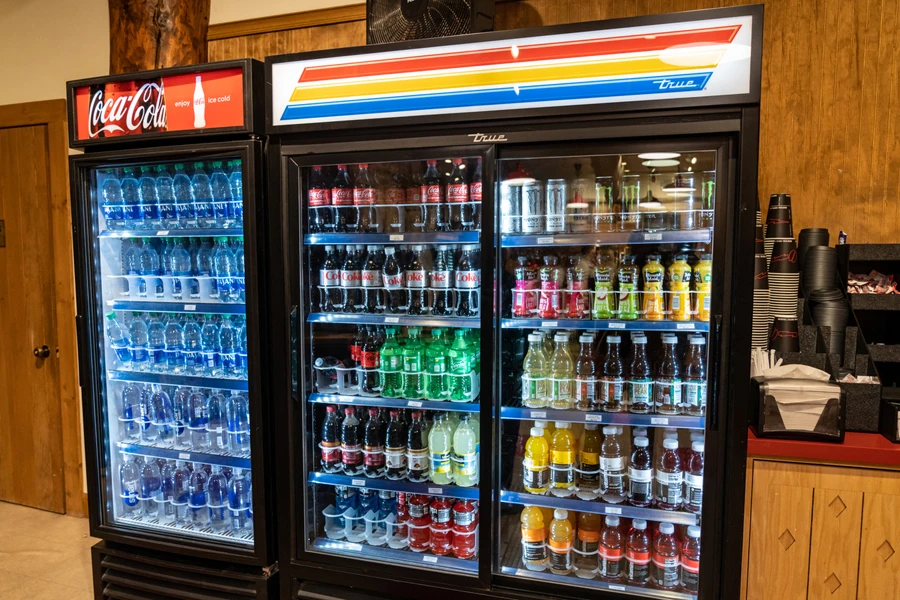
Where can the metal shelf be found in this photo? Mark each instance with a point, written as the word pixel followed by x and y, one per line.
pixel 171 528
pixel 226 460
pixel 141 233
pixel 182 380
pixel 600 508
pixel 384 554
pixel 605 418
pixel 640 592
pixel 613 238
pixel 400 320
pixel 430 489
pixel 603 325
pixel 470 407
pixel 206 308
pixel 437 237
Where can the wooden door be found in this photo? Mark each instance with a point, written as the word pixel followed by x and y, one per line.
pixel 879 552
pixel 834 552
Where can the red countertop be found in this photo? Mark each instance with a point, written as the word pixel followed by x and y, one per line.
pixel 871 449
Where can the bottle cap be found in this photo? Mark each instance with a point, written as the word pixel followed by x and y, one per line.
pixel 619 429
pixel 613 339
pixel 560 425
pixel 698 447
pixel 373 411
pixel 639 524
pixel 654 257
pixel 560 514
pixel 330 408
pixel 590 426
pixel 670 339
pixel 639 431
pixel 541 424
pixel 537 432
pixel 585 338
pixel 639 339
pixel 670 444
pixel 697 437
pixel 609 430
pixel 371 248
pixel 612 521
pixel 693 531
pixel 641 442
pixel 348 410
pixel 442 247
pixel 363 165
pixel 534 337
pixel 560 337
pixel 666 528
pixel 706 257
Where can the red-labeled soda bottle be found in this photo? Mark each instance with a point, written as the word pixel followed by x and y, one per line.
pixel 465 523
pixel 370 361
pixel 402 530
pixel 457 195
pixel 472 211
pixel 666 559
pixel 637 554
pixel 432 199
pixel 321 218
pixel 441 524
pixel 419 523
pixel 395 447
pixel 329 282
pixel 351 449
pixel 345 218
pixel 364 201
pixel 372 281
pixel 331 441
pixel 373 446
pixel 356 344
pixel 416 283
pixel 394 280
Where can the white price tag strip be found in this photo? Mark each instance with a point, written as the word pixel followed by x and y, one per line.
pixel 184 455
pixel 612 510
pixel 545 240
pixel 653 236
pixel 620 588
pixel 414 403
pixel 549 323
pixel 538 414
pixel 190 307
pixel 357 547
pixel 429 559
pixel 359 482
pixel 163 232
pixel 659 421
pixel 616 325
pixel 396 237
pixel 685 326
pixel 593 418
pixel 436 491
pixel 392 319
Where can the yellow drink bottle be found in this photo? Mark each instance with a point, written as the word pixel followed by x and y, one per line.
pixel 588 476
pixel 535 379
pixel 702 287
pixel 536 472
pixel 534 539
pixel 562 372
pixel 561 536
pixel 653 304
pixel 679 276
pixel 562 461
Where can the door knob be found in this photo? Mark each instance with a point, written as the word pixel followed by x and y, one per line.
pixel 42 352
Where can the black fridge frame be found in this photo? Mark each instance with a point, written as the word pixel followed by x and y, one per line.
pixel 90 341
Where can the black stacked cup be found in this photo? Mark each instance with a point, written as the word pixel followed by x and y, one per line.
pixel 760 335
pixel 809 237
pixel 779 223
pixel 784 279
pixel 820 269
pixel 785 334
pixel 829 309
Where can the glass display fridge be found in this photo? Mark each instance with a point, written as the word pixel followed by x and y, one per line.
pixel 513 298
pixel 171 335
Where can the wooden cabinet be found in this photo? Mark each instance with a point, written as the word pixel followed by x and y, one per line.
pixel 819 531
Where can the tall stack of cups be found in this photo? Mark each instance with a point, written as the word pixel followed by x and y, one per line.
pixel 779 223
pixel 760 335
pixel 810 238
pixel 784 279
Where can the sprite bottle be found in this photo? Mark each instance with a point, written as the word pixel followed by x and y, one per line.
pixel 461 363
pixel 413 360
pixel 436 367
pixel 391 374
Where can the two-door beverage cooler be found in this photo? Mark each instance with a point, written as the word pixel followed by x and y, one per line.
pixel 167 198
pixel 516 297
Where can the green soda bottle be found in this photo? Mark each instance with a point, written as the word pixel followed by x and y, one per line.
pixel 436 367
pixel 461 363
pixel 473 339
pixel 391 373
pixel 413 362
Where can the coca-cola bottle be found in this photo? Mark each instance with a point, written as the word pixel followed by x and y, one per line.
pixel 468 281
pixel 356 344
pixel 370 361
pixel 342 199
pixel 394 281
pixel 351 276
pixel 457 195
pixel 411 178
pixel 372 282
pixel 351 449
pixel 373 446
pixel 395 198
pixel 415 283
pixel 440 283
pixel 430 197
pixel 364 201
pixel 321 219
pixel 331 441
pixel 329 282
pixel 471 218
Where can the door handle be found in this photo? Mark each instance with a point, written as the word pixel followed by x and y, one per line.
pixel 42 352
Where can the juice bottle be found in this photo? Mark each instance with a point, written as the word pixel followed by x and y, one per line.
pixel 604 306
pixel 395 447
pixel 612 382
pixel 611 551
pixel 640 381
pixel 536 472
pixel 679 276
pixel 588 476
pixel 562 372
pixel 667 384
pixel 669 478
pixel 562 461
pixel 440 442
pixel 525 295
pixel 578 304
pixel 585 375
pixel 694 386
pixel 534 539
pixel 693 479
pixel 587 545
pixel 436 367
pixel 653 304
pixel 612 467
pixel 665 558
pixel 629 276
pixel 548 428
pixel 690 561
pixel 640 474
pixel 419 523
pixel 560 543
pixel 413 366
pixel 401 530
pixel 465 453
pixel 535 382
pixel 702 287
pixel 441 523
pixel 553 281
pixel 417 449
pixel 637 554
pixel 465 522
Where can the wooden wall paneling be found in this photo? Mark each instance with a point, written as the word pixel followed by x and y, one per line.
pixel 834 551
pixel 879 559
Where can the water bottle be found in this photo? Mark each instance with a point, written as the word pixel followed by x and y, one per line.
pixel 129 481
pixel 129 414
pixel 197 500
pixel 209 348
pixel 237 193
pixel 181 408
pixel 221 193
pixel 217 499
pixel 238 414
pixel 156 343
pixel 148 200
pixel 193 358
pixel 137 331
pixel 118 340
pixel 181 493
pixel 239 501
pixel 130 199
pixel 165 258
pixel 174 334
pixel 162 416
pixel 185 214
pixel 227 350
pixel 165 508
pixel 225 268
pixel 149 270
pixel 131 265
pixel 165 192
pixel 198 419
pixel 205 267
pixel 181 268
pixel 240 363
pixel 218 421
pixel 239 282
pixel 201 192
pixel 113 205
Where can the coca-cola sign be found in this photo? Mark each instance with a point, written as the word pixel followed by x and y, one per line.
pixel 141 112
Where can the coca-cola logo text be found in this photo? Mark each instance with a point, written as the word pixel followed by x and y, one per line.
pixel 468 279
pixel 475 191
pixel 350 278
pixel 415 279
pixel 431 194
pixel 393 281
pixel 143 110
pixel 329 277
pixel 440 279
pixel 457 192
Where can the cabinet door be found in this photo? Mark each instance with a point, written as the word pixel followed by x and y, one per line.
pixel 879 561
pixel 834 552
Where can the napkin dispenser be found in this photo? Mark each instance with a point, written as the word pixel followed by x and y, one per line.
pixel 798 409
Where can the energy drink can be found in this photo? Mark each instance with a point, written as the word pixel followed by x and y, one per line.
pixel 556 205
pixel 510 208
pixel 533 219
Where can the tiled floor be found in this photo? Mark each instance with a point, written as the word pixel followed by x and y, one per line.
pixel 43 555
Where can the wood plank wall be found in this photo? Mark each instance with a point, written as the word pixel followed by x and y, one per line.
pixel 830 127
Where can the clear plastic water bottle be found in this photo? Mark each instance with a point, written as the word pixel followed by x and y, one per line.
pixel 240 363
pixel 217 499
pixel 209 347
pixel 130 199
pixel 239 277
pixel 201 192
pixel 165 193
pixel 205 267
pixel 149 200
pixel 165 257
pixel 165 508
pixel 129 413
pixel 181 493
pixel 131 252
pixel 150 488
pixel 198 419
pixel 113 204
pixel 238 414
pixel 239 501
pixel 193 357
pixel 162 415
pixel 218 421
pixel 181 268
pixel 130 482
pixel 181 408
pixel 221 193
pixel 156 343
pixel 225 270
pixel 137 331
pixel 197 500
pixel 175 362
pixel 236 178
pixel 118 340
pixel 184 200
pixel 148 261
pixel 227 350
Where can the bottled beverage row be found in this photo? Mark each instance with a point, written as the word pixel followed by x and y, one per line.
pixel 147 198
pixel 189 495
pixel 530 207
pixel 417 446
pixel 437 525
pixel 667 477
pixel 639 553
pixel 579 286
pixel 381 364
pixel 196 419
pixel 396 198
pixel 444 280
pixel 201 269
pixel 179 343
pixel 599 378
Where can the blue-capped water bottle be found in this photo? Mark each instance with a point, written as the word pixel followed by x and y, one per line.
pixel 148 199
pixel 130 199
pixel 201 192
pixel 221 193
pixel 118 340
pixel 113 204
pixel 184 200
pixel 165 192
pixel 236 178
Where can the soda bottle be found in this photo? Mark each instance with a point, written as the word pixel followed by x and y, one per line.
pixel 415 283
pixel 562 461
pixel 629 276
pixel 465 452
pixel 201 194
pixel 370 363
pixel 702 279
pixel 197 498
pixel 390 376
pixel 669 477
pixel 667 385
pixel 174 336
pixel 351 449
pixel 640 474
pixel 217 499
pixel 525 294
pixel 236 181
pixel 473 340
pixel 562 372
pixel 534 539
pixel 345 218
pixel 217 423
pixel 237 412
pixel 394 280
pixel 431 198
pixel 417 449
pixel 612 551
pixel 640 381
pixel 458 197
pixel 665 572
pixel 690 561
pixel 185 213
pixel 441 524
pixel 373 450
pixel 440 283
pixel 156 344
pixel 413 363
pixel 419 523
pixel 612 467
pixel 321 218
pixel 401 530
pixel 394 195
pixel 465 522
pixel 330 443
pixel 612 382
pixel 113 203
pixel 587 545
pixel 561 543
pixel 553 280
pixel 694 386
pixel 329 282
pixel 604 306
pixel 395 447
pixel 364 202
pixel 654 305
pixel 589 472
pixel 440 442
pixel 693 479
pixel 131 204
pixel 578 305
pixel 351 280
pixel 436 367
pixel 468 281
pixel 471 214
pixel 535 382
pixel 679 278
pixel 239 503
pixel 221 195
pixel 148 200
pixel 637 554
